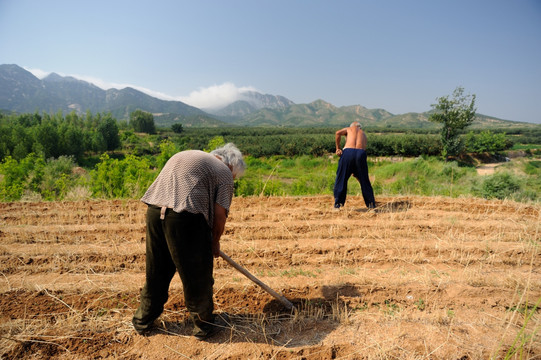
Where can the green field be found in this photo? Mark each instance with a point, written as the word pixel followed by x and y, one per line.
pixel 519 179
pixel 34 178
pixel 52 157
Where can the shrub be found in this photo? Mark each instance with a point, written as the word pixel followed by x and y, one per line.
pixel 215 143
pixel 18 176
pixel 486 141
pixel 499 186
pixel 126 178
pixel 33 178
pixel 167 149
pixel 58 178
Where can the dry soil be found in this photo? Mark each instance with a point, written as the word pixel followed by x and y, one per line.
pixel 419 277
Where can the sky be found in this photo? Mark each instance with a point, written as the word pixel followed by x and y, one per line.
pixel 397 55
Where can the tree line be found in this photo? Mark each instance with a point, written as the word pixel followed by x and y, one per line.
pixel 55 135
pixel 38 162
pixel 263 142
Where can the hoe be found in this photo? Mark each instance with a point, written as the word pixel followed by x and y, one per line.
pixel 246 273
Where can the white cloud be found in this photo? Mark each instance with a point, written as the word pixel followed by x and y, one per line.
pixel 212 97
pixel 216 96
pixel 40 74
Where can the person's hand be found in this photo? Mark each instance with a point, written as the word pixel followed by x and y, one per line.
pixel 339 152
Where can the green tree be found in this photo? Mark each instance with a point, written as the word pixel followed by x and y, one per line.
pixel 167 149
pixel 47 136
pixel 177 128
pixel 20 176
pixel 214 143
pixel 486 141
pixel 21 139
pixel 143 121
pixel 125 178
pixel 72 141
pixel 96 142
pixel 455 114
pixel 108 128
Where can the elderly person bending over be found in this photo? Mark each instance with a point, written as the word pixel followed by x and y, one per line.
pixel 188 204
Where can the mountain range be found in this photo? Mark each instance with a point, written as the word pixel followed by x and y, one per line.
pixel 22 92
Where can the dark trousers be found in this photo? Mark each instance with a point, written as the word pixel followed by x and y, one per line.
pixel 353 161
pixel 180 242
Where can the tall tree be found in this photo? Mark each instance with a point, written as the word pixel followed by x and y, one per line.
pixel 109 130
pixel 142 121
pixel 47 136
pixel 177 128
pixel 455 114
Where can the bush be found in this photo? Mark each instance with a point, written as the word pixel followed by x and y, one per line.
pixel 500 186
pixel 404 145
pixel 167 149
pixel 58 178
pixel 34 178
pixel 486 142
pixel 214 143
pixel 20 176
pixel 126 178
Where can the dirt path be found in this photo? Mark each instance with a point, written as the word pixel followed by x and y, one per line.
pixel 488 169
pixel 420 277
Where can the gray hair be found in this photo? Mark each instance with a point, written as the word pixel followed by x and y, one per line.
pixel 231 156
pixel 356 123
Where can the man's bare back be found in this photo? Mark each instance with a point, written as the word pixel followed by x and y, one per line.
pixel 355 138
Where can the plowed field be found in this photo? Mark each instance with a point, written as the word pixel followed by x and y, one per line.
pixel 419 277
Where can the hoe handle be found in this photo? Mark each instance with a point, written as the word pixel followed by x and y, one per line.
pixel 246 273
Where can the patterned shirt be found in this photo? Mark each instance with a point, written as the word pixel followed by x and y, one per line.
pixel 192 181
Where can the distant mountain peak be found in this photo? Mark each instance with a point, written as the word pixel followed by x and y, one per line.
pixel 260 101
pixel 322 104
pixel 53 77
pixel 21 91
pixel 250 102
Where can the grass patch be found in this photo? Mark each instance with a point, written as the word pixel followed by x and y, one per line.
pixel 276 176
pixel 297 272
pixel 526 147
pixel 425 176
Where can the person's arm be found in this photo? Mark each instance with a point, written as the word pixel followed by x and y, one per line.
pixel 338 139
pixel 220 217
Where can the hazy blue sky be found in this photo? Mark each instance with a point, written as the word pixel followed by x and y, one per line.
pixel 399 55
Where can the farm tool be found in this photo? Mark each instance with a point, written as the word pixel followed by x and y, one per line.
pixel 246 273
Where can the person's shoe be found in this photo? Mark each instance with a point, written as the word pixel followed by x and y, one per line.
pixel 338 207
pixel 143 328
pixel 221 322
pixel 144 332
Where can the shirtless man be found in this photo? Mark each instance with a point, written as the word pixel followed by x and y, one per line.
pixel 352 162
